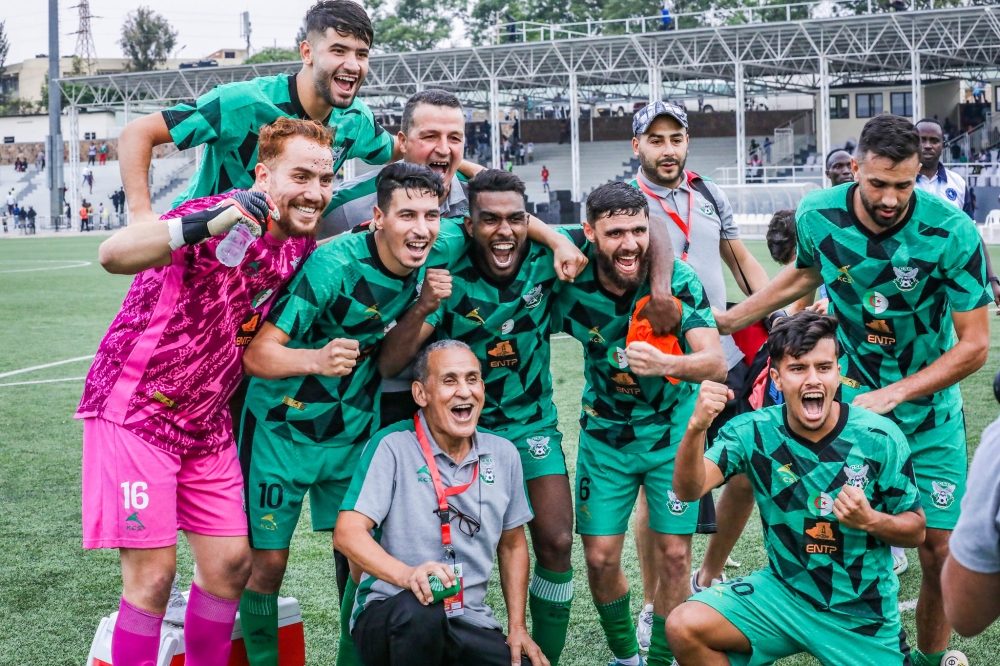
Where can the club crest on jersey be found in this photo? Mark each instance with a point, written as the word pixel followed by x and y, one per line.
pixel 373 312
pixel 906 278
pixel 844 276
pixel 538 447
pixel 857 475
pixel 943 495
pixel 420 286
pixel 533 297
pixel 486 472
pixel 337 152
pixel 875 302
pixel 674 505
pixel 786 474
pixel 707 209
pixel 820 504
pixel 267 522
pixel 617 358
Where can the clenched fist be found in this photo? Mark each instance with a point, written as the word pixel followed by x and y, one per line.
pixel 337 358
pixel 852 508
pixel 711 401
pixel 436 288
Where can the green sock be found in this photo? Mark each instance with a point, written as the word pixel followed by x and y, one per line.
pixel 616 620
pixel 659 652
pixel 921 659
pixel 346 654
pixel 259 622
pixel 550 595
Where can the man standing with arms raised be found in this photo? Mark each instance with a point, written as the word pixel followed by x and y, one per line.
pixel 699 219
pixel 905 275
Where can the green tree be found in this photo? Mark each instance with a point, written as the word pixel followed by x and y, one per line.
pixel 147 39
pixel 300 36
pixel 4 49
pixel 413 25
pixel 273 54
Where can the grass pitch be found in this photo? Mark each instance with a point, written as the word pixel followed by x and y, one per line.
pixel 53 593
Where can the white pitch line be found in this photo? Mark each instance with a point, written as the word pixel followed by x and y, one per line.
pixel 75 264
pixel 45 381
pixel 46 365
pixel 905 606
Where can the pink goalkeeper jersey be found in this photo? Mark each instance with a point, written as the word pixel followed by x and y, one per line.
pixel 173 356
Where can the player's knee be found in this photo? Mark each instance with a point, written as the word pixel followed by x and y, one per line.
pixel 601 562
pixel 933 551
pixel 674 557
pixel 268 570
pixel 554 548
pixel 151 589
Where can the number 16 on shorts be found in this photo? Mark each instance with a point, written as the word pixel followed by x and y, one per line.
pixel 135 495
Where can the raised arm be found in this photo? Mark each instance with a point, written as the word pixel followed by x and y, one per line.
pixel 135 150
pixel 694 474
pixel 706 361
pixel 788 286
pixel 661 309
pixel 512 561
pixel 967 356
pixel 568 259
pixel 405 339
pixel 268 357
pixel 150 243
pixel 352 538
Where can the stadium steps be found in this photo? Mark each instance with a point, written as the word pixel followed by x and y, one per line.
pixel 172 185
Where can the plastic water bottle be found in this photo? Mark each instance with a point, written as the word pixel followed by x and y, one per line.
pixel 233 247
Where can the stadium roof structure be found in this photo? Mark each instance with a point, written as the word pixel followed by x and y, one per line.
pixel 801 55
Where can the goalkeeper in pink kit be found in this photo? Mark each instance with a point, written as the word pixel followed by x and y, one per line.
pixel 158 449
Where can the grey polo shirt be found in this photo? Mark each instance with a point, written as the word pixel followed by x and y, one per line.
pixel 707 230
pixel 393 487
pixel 352 204
pixel 975 543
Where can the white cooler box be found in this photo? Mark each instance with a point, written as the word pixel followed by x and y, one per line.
pixel 291 640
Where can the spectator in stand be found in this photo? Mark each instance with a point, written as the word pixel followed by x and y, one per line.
pixel 91 154
pixel 545 179
pixel 531 152
pixel 16 212
pixel 69 215
pixel 22 218
pixel 104 152
pixel 10 202
pixel 90 181
pixel 40 160
pixel 767 149
pixel 102 216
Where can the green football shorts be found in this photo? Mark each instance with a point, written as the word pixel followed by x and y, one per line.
pixel 277 473
pixel 779 623
pixel 940 463
pixel 607 484
pixel 540 448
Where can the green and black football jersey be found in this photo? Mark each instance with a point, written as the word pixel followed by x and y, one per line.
pixel 893 292
pixel 343 290
pixel 631 413
pixel 795 482
pixel 507 326
pixel 228 119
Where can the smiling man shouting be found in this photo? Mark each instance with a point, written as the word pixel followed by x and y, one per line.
pixel 444 499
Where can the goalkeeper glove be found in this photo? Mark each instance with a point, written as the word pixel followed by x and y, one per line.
pixel 254 209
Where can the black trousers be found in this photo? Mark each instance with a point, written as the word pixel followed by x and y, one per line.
pixel 401 631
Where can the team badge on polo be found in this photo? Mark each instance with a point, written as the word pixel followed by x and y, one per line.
pixel 486 471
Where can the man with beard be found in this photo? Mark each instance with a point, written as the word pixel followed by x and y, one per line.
pixel 498 299
pixel 699 220
pixel 835 488
pixel 432 133
pixel 635 403
pixel 838 167
pixel 905 275
pixel 313 400
pixel 226 120
pixel 158 447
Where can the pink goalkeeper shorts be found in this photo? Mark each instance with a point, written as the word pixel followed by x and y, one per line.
pixel 136 495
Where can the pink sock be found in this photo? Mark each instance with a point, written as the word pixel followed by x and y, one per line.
pixel 136 640
pixel 208 628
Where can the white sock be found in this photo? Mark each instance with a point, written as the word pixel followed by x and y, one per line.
pixel 896 552
pixel 629 661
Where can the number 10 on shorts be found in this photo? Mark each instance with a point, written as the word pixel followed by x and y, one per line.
pixel 135 498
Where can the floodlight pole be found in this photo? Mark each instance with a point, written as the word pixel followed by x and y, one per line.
pixel 495 121
pixel 824 114
pixel 54 142
pixel 917 94
pixel 741 133
pixel 574 136
pixel 655 84
pixel 74 163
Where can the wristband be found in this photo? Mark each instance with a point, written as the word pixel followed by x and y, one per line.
pixel 190 229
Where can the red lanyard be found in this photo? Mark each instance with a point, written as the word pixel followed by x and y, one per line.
pixel 442 493
pixel 685 228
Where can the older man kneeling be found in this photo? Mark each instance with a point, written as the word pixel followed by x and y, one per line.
pixel 442 500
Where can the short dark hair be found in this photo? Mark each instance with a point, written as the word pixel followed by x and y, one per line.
pixel 889 136
pixel 493 180
pixel 826 162
pixel 422 361
pixel 929 120
pixel 615 198
pixel 344 16
pixel 405 176
pixel 799 334
pixel 781 237
pixel 432 96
